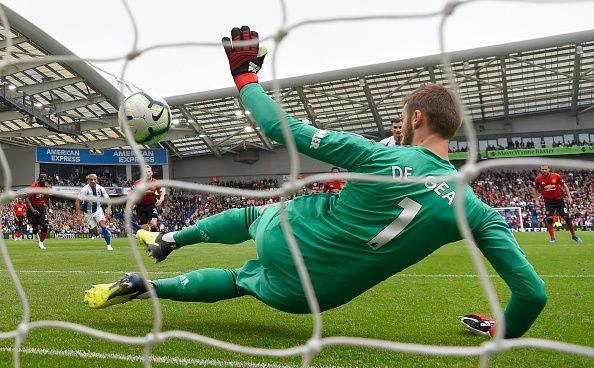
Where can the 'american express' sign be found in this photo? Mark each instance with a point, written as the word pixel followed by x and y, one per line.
pixel 156 156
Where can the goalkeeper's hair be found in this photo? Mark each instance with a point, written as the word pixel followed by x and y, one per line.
pixel 439 104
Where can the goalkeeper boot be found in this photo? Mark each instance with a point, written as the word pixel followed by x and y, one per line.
pixel 577 238
pixel 129 287
pixel 478 324
pixel 155 246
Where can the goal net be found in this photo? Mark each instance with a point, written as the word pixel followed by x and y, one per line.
pixel 316 342
pixel 513 217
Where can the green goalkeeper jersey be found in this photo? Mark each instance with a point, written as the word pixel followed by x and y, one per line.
pixel 353 240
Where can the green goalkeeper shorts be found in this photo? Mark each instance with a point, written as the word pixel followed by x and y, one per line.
pixel 273 277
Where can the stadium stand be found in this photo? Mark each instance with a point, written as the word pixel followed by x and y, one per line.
pixel 496 188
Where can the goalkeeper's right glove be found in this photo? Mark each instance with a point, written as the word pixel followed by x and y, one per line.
pixel 244 60
pixel 479 324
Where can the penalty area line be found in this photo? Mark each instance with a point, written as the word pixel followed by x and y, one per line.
pixel 155 359
pixel 92 271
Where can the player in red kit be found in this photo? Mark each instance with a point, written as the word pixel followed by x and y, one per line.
pixel 20 211
pixel 550 185
pixel 334 186
pixel 146 209
pixel 36 209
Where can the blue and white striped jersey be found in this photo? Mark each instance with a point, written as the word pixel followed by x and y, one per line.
pixel 91 206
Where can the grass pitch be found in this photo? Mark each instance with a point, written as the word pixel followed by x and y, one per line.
pixel 420 305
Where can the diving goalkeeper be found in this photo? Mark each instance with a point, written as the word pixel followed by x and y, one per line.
pixel 352 240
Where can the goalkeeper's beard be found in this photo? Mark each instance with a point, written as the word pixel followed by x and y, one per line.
pixel 407 133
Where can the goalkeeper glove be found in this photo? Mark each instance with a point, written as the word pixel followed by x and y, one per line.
pixel 479 324
pixel 245 55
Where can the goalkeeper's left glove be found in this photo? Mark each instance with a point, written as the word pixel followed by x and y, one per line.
pixel 479 324
pixel 245 55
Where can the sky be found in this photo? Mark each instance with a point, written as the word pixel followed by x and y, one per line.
pixel 102 29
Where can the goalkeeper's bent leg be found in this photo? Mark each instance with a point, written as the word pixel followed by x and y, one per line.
pixel 228 227
pixel 207 285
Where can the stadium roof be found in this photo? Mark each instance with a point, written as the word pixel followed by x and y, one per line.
pixel 44 102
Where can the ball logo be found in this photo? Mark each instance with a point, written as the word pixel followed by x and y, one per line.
pixel 158 116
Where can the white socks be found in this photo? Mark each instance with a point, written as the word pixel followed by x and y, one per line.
pixel 169 237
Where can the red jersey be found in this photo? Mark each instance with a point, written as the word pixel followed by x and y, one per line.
pixel 333 186
pixel 150 196
pixel 37 199
pixel 549 186
pixel 316 187
pixel 19 209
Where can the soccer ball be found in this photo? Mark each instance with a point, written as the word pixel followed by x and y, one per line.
pixel 148 116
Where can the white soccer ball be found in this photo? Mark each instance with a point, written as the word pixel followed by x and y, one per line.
pixel 148 116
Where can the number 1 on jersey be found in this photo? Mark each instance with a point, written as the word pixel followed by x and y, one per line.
pixel 410 209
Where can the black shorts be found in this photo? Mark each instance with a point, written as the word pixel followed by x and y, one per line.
pixel 20 223
pixel 558 206
pixel 145 212
pixel 37 220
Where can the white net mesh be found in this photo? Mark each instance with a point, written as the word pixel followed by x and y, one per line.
pixel 316 342
pixel 512 216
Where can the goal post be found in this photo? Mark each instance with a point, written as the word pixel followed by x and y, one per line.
pixel 512 216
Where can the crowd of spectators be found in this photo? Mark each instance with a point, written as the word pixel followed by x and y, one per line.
pixel 78 180
pixel 515 145
pixel 573 143
pixel 181 209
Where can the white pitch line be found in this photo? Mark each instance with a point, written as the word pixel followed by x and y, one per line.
pixel 444 276
pixel 155 359
pixel 93 271
pixel 491 275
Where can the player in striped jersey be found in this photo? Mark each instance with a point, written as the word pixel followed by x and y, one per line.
pixel 92 210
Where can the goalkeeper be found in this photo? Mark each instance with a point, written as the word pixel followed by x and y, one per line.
pixel 352 240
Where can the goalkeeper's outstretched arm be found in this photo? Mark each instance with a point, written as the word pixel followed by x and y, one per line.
pixel 528 295
pixel 337 148
pixel 245 59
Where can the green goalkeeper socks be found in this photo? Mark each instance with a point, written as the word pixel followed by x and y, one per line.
pixel 228 227
pixel 211 284
pixel 208 285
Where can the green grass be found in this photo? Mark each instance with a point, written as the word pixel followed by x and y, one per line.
pixel 409 307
